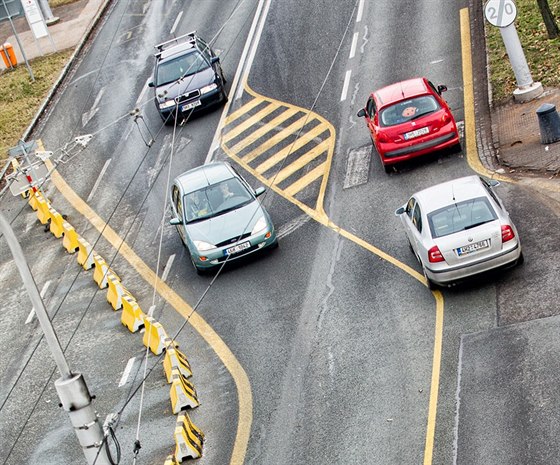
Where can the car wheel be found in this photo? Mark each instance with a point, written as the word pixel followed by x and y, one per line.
pixel 388 168
pixel 274 245
pixel 521 259
pixel 457 148
pixel 199 271
pixel 431 285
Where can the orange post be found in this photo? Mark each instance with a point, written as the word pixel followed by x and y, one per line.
pixel 8 55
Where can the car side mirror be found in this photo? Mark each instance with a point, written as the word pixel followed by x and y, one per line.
pixel 493 183
pixel 175 221
pixel 441 88
pixel 362 113
pixel 151 84
pixel 259 191
pixel 215 60
pixel 400 211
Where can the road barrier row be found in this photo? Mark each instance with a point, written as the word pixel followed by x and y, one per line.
pixel 188 438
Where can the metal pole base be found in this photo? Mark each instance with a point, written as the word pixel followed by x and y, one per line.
pixel 528 93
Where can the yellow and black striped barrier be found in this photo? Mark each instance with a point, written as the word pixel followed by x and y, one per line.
pixel 182 392
pixel 188 438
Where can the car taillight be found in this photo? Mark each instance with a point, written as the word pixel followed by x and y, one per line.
pixel 382 137
pixel 434 255
pixel 445 118
pixel 507 233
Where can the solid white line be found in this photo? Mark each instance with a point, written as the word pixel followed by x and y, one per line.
pixel 96 185
pixel 176 23
pixel 354 44
pixel 42 294
pixel 360 11
pixel 126 371
pixel 345 86
pixel 167 268
pixel 237 81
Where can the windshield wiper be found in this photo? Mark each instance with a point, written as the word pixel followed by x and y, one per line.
pixel 475 225
pixel 422 114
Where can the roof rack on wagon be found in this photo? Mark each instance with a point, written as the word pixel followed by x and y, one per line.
pixel 189 37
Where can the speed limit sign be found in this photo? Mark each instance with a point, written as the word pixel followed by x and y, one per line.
pixel 500 13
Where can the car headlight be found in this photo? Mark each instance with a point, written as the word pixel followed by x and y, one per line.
pixel 167 104
pixel 208 88
pixel 203 246
pixel 260 226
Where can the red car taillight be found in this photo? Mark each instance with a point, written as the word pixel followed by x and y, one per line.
pixel 434 255
pixel 507 233
pixel 382 137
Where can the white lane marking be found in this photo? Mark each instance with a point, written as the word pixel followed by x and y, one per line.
pixel 88 115
pixel 436 61
pixel 144 90
pixel 42 294
pixel 365 40
pixel 31 222
pixel 126 372
pixel 96 185
pixel 357 167
pixel 238 83
pixel 176 23
pixel 354 44
pixel 167 268
pixel 290 227
pixel 345 86
pixel 360 11
pixel 457 403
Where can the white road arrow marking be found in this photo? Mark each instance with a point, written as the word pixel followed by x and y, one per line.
pixel 87 116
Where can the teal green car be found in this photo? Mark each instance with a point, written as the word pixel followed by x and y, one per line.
pixel 218 216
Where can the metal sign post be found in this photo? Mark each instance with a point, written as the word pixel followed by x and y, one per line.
pixel 9 11
pixel 502 14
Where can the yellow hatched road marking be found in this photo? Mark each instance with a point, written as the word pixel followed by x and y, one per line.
pixel 298 143
pixel 304 181
pixel 241 111
pixel 250 121
pixel 302 161
pixel 277 138
pixel 263 130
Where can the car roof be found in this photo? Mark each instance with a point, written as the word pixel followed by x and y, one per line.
pixel 204 176
pixel 177 50
pixel 400 91
pixel 450 192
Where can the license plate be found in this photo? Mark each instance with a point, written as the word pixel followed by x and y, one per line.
pixel 191 105
pixel 467 249
pixel 416 133
pixel 237 248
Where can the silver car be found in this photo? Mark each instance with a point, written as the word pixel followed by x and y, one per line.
pixel 218 215
pixel 459 228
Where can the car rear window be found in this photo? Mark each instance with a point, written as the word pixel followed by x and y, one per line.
pixel 407 110
pixel 460 216
pixel 185 65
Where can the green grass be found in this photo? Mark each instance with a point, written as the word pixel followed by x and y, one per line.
pixel 542 53
pixel 21 98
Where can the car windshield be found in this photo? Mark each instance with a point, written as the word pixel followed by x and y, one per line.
pixel 407 110
pixel 216 199
pixel 461 216
pixel 185 65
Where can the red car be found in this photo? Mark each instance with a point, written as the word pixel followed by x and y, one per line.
pixel 409 119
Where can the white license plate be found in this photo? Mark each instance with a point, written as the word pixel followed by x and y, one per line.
pixel 416 133
pixel 238 248
pixel 467 249
pixel 191 105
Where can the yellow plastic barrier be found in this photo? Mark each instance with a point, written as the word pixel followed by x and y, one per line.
pixel 34 199
pixel 170 460
pixel 176 360
pixel 154 336
pixel 85 253
pixel 56 222
pixel 116 291
pixel 132 316
pixel 188 439
pixel 100 271
pixel 43 213
pixel 182 393
pixel 70 239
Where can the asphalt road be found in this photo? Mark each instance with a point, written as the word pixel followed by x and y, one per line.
pixel 330 348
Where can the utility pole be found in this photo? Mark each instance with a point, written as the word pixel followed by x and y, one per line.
pixel 71 387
